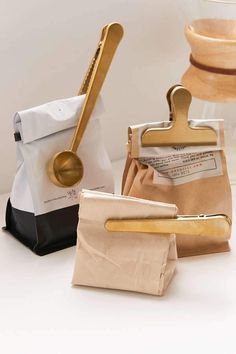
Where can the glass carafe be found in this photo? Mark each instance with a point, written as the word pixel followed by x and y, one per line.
pixel 211 76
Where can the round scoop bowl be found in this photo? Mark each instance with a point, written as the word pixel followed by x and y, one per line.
pixel 65 169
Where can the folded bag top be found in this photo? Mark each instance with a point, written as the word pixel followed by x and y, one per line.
pixel 173 169
pixel 133 261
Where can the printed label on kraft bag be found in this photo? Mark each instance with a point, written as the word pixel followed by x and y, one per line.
pixel 185 168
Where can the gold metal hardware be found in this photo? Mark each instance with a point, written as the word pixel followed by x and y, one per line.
pixel 169 100
pixel 65 169
pixel 84 87
pixel 218 225
pixel 179 133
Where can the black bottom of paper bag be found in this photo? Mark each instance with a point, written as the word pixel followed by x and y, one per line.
pixel 44 233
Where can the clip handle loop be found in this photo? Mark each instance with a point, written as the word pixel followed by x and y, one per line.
pixel 169 100
pixel 180 99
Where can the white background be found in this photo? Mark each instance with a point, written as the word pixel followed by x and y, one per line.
pixel 46 46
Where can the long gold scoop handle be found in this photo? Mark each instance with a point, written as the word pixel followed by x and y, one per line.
pixel 206 225
pixel 84 87
pixel 112 36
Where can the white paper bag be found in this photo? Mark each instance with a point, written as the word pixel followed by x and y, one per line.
pixel 40 214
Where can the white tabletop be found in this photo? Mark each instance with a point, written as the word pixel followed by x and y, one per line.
pixel 41 313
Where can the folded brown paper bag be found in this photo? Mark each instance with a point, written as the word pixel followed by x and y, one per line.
pixel 140 262
pixel 194 178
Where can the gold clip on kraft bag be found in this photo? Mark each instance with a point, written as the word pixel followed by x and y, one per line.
pixel 129 243
pixel 181 162
pixel 42 211
pixel 107 256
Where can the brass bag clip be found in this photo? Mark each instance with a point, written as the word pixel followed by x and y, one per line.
pixel 217 225
pixel 179 132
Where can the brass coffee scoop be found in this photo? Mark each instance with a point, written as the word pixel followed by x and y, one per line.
pixel 65 169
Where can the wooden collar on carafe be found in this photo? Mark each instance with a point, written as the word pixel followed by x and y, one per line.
pixel 211 69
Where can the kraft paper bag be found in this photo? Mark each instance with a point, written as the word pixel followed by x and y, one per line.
pixel 139 262
pixel 194 178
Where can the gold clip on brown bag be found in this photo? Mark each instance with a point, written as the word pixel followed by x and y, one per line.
pixel 181 162
pixel 117 250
